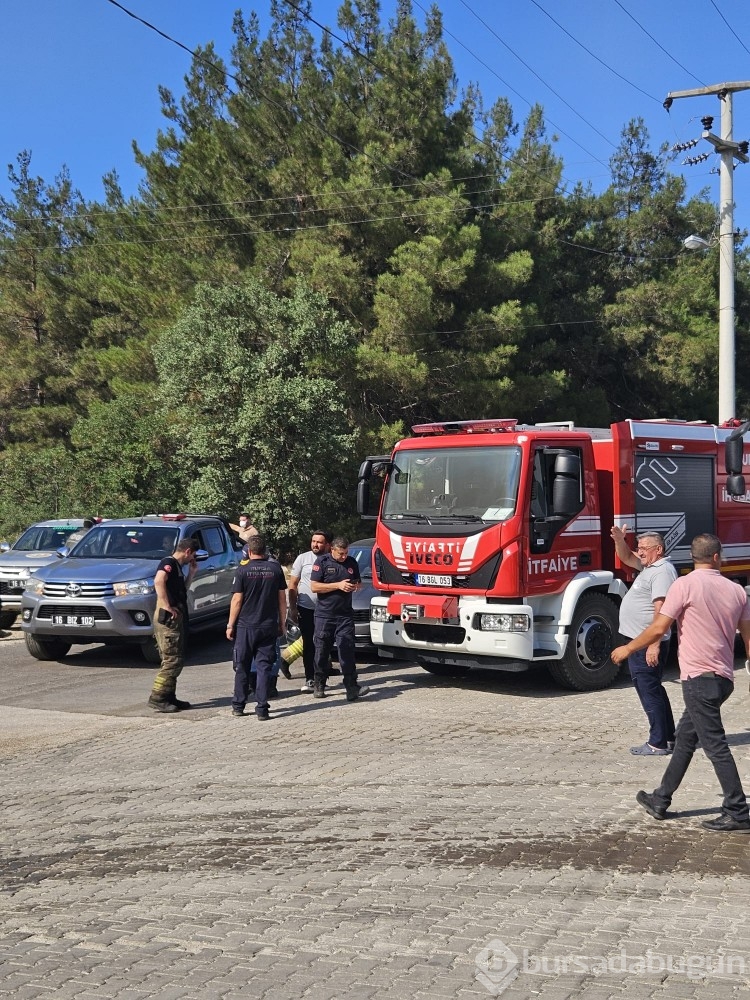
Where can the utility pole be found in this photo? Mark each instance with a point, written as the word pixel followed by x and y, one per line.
pixel 729 151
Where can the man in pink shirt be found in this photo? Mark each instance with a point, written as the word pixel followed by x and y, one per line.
pixel 708 609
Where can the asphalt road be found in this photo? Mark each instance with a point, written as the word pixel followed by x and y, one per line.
pixel 109 680
pixel 117 680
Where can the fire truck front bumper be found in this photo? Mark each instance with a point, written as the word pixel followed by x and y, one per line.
pixel 433 628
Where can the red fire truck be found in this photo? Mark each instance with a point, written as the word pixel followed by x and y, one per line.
pixel 493 543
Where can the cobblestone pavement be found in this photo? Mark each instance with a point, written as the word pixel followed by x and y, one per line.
pixel 397 848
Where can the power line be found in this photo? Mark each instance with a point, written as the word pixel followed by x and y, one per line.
pixel 245 85
pixel 593 54
pixel 511 88
pixel 333 223
pixel 329 225
pixel 658 44
pixel 385 73
pixel 715 6
pixel 541 79
pixel 148 211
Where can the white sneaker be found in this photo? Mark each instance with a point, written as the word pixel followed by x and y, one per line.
pixel 307 688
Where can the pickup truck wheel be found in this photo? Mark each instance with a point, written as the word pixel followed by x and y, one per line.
pixel 7 618
pixel 150 651
pixel 47 649
pixel 586 665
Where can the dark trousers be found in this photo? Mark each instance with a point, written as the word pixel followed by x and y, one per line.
pixel 276 666
pixel 701 723
pixel 652 694
pixel 256 645
pixel 307 627
pixel 338 630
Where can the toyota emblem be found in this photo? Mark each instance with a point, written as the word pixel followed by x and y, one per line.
pixel 73 590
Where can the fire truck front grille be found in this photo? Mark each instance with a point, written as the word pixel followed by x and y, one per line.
pixel 449 635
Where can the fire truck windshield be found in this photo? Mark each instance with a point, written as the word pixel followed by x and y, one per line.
pixel 464 483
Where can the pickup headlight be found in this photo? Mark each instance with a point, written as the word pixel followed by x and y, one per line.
pixel 378 613
pixel 34 586
pixel 133 588
pixel 504 623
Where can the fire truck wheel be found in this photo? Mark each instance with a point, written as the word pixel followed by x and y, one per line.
pixel 586 665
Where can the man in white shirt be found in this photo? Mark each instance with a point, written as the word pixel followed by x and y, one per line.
pixel 302 601
pixel 639 607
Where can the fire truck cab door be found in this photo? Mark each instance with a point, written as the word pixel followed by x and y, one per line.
pixel 557 496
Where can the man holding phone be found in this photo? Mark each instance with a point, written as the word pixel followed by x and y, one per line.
pixel 170 584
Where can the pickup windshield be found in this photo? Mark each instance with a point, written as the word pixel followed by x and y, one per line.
pixel 41 538
pixel 471 484
pixel 105 542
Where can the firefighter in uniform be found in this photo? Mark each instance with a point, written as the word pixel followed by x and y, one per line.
pixel 334 578
pixel 256 620
pixel 170 623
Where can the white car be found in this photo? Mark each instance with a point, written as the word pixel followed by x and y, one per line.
pixel 36 547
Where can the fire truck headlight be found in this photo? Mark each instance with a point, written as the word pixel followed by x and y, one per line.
pixel 504 623
pixel 378 613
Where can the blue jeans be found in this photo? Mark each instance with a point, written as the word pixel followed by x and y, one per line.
pixel 701 723
pixel 653 696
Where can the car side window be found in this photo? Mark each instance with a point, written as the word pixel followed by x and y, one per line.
pixel 214 541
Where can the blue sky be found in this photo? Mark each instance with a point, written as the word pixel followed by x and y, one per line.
pixel 79 78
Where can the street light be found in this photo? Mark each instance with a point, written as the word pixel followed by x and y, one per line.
pixel 695 243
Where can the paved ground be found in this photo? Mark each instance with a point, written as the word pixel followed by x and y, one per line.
pixel 398 848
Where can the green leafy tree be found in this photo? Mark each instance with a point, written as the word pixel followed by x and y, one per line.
pixel 37 482
pixel 253 388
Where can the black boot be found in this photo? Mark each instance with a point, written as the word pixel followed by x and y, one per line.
pixel 162 704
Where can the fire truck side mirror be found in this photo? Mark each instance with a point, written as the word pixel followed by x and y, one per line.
pixel 736 486
pixel 566 485
pixel 376 466
pixel 733 455
pixel 733 449
pixel 363 500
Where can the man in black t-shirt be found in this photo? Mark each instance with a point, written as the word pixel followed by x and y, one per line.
pixel 256 619
pixel 169 624
pixel 334 578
